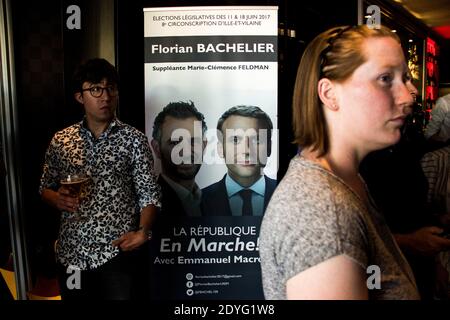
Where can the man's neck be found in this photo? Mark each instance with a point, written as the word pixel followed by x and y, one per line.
pixel 97 128
pixel 245 181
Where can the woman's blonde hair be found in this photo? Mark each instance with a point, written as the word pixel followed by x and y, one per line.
pixel 334 54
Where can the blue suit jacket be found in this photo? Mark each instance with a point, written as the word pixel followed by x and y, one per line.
pixel 215 197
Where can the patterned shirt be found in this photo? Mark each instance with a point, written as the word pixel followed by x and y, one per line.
pixel 121 182
pixel 436 168
pixel 440 119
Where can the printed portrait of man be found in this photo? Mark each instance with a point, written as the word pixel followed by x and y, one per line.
pixel 179 141
pixel 244 142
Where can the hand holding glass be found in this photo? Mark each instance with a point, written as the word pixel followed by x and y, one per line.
pixel 74 184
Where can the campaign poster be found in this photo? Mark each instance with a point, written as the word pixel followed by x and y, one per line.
pixel 211 117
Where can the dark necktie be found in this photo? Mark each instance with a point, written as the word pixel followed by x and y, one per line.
pixel 246 195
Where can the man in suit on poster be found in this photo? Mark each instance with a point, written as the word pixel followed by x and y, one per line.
pixel 181 196
pixel 244 141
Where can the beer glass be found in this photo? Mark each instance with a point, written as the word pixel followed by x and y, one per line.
pixel 75 184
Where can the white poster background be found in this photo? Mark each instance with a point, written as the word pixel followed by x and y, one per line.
pixel 212 91
pixel 174 21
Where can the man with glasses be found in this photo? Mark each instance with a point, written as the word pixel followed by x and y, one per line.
pixel 118 201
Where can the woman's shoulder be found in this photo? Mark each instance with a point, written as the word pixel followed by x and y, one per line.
pixel 309 195
pixel 308 181
pixel 312 217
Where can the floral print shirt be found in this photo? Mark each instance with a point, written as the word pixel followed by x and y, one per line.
pixel 121 181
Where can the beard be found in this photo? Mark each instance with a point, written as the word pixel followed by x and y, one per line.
pixel 179 171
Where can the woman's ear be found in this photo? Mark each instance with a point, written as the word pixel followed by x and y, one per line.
pixel 79 97
pixel 326 90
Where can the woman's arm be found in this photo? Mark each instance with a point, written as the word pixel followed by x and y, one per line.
pixel 338 278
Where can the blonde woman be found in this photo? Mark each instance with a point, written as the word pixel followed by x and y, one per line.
pixel 321 231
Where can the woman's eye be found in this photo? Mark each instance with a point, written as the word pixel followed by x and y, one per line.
pixel 387 78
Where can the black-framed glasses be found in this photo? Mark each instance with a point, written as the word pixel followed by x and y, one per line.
pixel 97 91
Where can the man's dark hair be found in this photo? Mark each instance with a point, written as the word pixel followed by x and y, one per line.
pixel 178 110
pixel 250 112
pixel 94 71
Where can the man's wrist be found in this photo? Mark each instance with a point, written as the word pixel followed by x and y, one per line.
pixel 147 232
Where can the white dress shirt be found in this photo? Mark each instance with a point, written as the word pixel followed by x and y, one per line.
pixel 235 200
